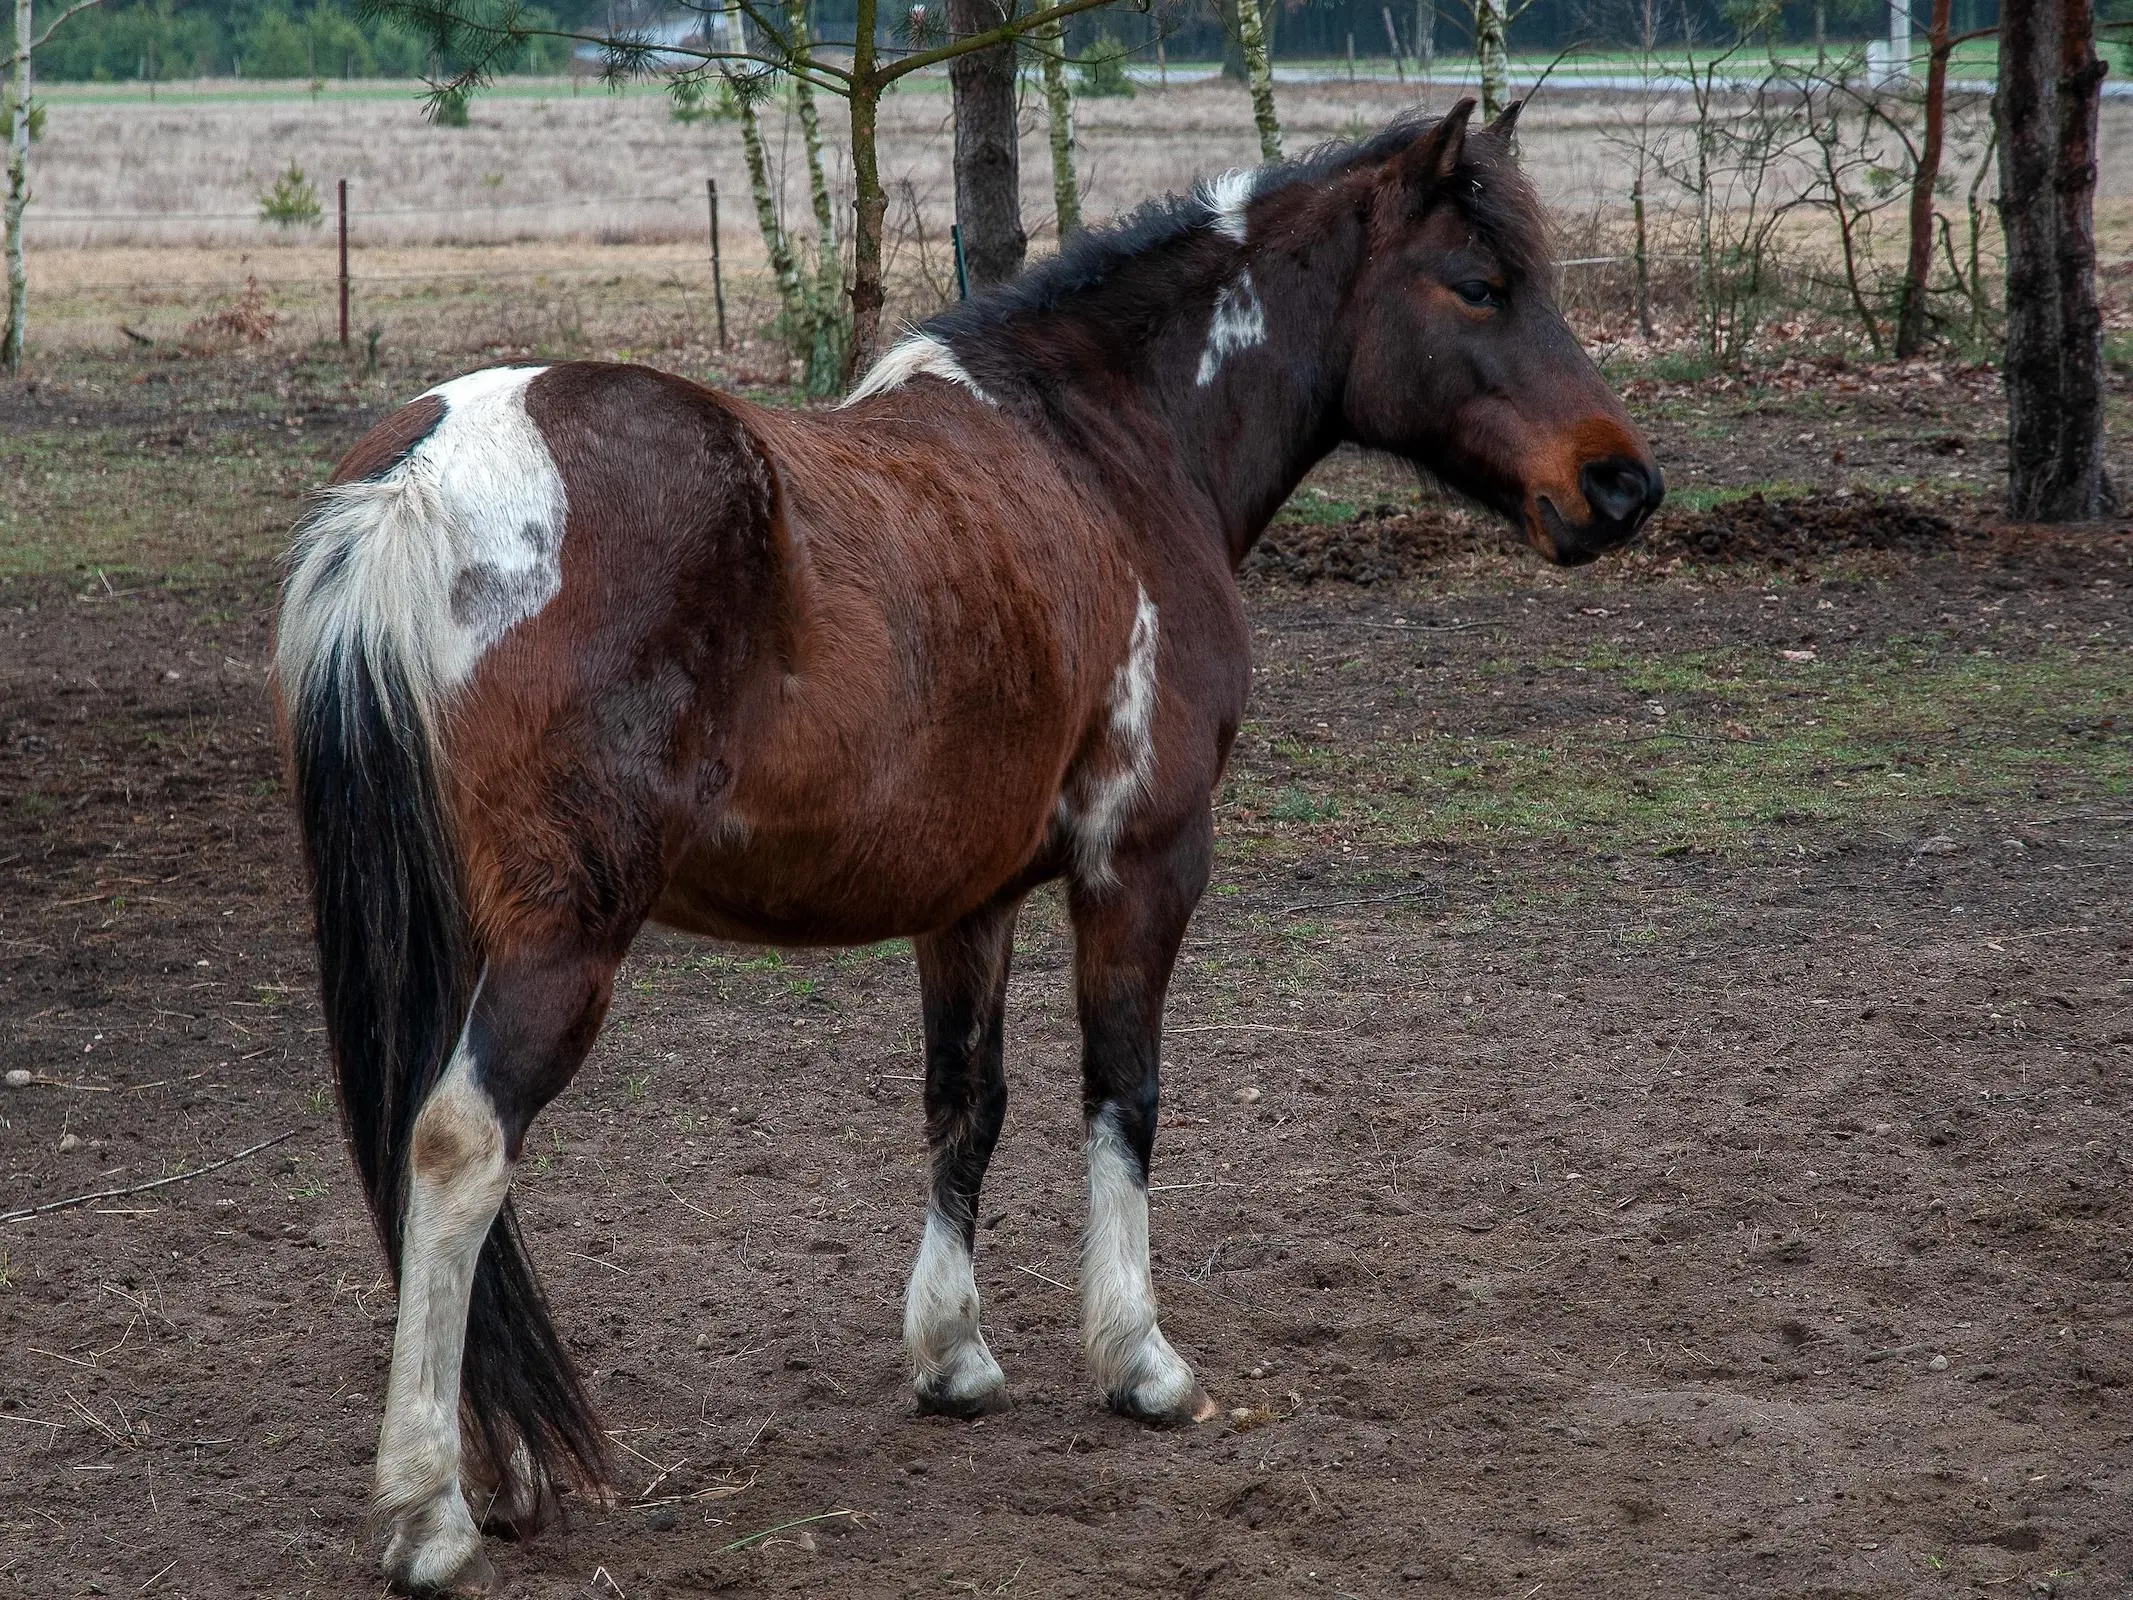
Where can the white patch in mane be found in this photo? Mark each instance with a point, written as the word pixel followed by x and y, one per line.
pixel 1227 196
pixel 434 559
pixel 917 355
pixel 1095 808
pixel 1239 323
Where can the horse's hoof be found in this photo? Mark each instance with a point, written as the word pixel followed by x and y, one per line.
pixel 1163 1406
pixel 436 1571
pixel 970 1385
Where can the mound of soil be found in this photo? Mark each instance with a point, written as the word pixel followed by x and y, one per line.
pixel 1386 545
pixel 1799 531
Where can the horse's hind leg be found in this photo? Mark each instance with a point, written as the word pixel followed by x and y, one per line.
pixel 531 1024
pixel 963 975
pixel 1126 936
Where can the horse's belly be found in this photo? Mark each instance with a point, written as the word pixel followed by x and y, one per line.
pixel 890 867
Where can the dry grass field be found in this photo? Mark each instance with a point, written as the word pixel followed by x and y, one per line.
pixel 568 213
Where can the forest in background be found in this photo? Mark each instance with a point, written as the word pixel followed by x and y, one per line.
pixel 134 40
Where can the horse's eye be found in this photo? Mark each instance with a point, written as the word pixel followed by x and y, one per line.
pixel 1477 293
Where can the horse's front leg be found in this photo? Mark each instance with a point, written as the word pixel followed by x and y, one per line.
pixel 1128 924
pixel 963 977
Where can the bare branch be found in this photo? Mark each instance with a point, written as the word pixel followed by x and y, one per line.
pixel 1006 33
pixel 7 62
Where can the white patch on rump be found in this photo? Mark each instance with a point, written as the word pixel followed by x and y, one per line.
pixel 1095 804
pixel 1238 323
pixel 1127 1352
pixel 1228 196
pixel 916 355
pixel 432 561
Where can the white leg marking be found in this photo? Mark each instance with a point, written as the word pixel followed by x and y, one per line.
pixel 916 355
pixel 1239 323
pixel 1227 197
pixel 956 1371
pixel 436 558
pixel 1102 800
pixel 458 1181
pixel 1134 1364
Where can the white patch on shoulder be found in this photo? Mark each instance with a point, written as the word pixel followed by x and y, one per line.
pixel 1095 804
pixel 1238 323
pixel 1228 196
pixel 432 561
pixel 916 355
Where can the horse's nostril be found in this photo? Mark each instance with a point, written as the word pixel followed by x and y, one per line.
pixel 1621 491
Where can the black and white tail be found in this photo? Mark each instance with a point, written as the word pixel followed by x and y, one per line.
pixel 364 658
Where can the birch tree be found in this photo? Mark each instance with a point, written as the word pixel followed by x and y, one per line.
pixel 1059 104
pixel 16 67
pixel 1259 74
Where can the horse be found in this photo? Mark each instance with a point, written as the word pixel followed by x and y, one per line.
pixel 568 649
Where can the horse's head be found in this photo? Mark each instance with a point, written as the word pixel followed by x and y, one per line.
pixel 1460 359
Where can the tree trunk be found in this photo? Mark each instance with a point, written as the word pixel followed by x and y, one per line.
pixel 870 204
pixel 18 196
pixel 1259 73
pixel 1066 187
pixel 803 94
pixel 825 346
pixel 1492 51
pixel 2046 108
pixel 988 176
pixel 1918 265
pixel 784 271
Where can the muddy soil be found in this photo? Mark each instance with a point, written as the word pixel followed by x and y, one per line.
pixel 1545 1220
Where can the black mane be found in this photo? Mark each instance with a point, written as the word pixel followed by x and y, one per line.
pixel 1488 188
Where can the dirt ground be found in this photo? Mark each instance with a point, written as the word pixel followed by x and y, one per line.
pixel 1644 1113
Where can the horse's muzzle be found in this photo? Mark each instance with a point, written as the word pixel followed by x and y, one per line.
pixel 1621 491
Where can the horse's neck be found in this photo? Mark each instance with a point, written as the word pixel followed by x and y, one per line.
pixel 1235 407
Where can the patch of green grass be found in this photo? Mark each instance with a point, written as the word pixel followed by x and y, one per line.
pixel 1315 508
pixel 1751 744
pixel 100 499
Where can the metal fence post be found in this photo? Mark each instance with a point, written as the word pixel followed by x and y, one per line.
pixel 344 263
pixel 718 285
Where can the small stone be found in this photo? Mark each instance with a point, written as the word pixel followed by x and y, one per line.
pixel 20 1077
pixel 1938 1364
pixel 69 1142
pixel 661 1519
pixel 1244 1097
pixel 1939 845
pixel 1256 1372
pixel 703 1341
pixel 1883 1129
pixel 1240 1413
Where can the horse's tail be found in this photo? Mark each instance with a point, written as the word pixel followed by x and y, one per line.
pixel 362 674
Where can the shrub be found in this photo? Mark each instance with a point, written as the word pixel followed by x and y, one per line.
pixel 1101 71
pixel 292 202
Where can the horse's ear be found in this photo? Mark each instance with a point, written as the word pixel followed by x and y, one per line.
pixel 1506 122
pixel 1435 156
